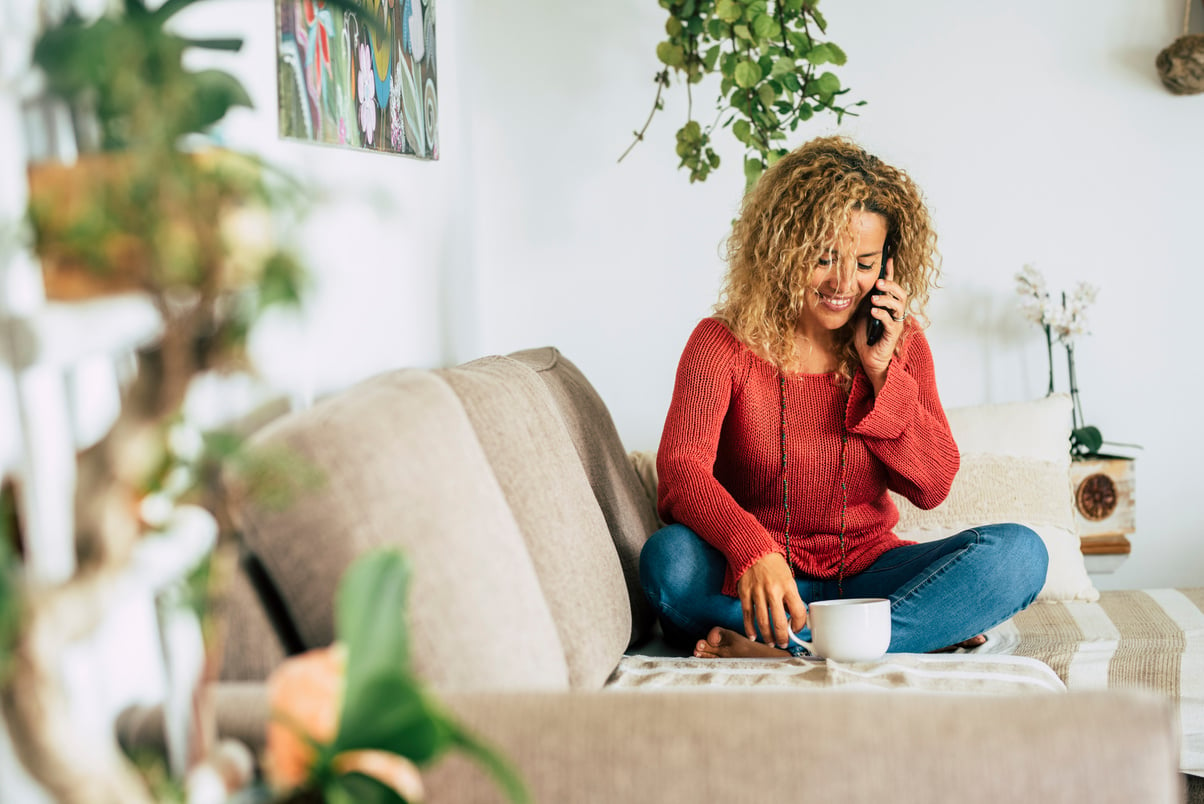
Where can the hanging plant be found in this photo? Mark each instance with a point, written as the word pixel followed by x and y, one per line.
pixel 768 55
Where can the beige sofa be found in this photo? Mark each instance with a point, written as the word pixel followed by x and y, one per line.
pixel 506 484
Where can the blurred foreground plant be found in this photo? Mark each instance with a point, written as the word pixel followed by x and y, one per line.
pixel 350 723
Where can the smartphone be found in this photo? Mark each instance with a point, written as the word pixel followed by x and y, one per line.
pixel 873 327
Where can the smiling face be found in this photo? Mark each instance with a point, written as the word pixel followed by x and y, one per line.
pixel 844 275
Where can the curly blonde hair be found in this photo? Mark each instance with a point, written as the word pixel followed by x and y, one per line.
pixel 794 215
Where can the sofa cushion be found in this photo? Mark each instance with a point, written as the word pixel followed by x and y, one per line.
pixel 401 465
pixel 630 516
pixel 1015 468
pixel 545 485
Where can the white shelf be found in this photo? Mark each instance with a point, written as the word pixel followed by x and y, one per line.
pixel 64 334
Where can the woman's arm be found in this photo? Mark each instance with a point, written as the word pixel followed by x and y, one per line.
pixel 687 491
pixel 708 377
pixel 904 425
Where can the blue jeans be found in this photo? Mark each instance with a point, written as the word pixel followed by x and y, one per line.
pixel 940 592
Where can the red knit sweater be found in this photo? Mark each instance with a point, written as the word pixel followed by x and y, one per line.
pixel 720 456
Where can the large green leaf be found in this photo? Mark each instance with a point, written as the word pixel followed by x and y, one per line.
pixel 503 773
pixel 214 93
pixel 370 617
pixel 389 713
pixel 358 788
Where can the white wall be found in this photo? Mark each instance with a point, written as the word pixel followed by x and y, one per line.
pixel 1038 130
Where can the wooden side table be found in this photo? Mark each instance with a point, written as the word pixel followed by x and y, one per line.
pixel 1104 489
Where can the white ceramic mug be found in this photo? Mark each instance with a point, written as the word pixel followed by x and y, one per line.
pixel 849 630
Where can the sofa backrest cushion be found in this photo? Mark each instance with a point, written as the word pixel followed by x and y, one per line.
pixel 537 466
pixel 252 643
pixel 401 465
pixel 630 516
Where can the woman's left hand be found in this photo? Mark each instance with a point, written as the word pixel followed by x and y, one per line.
pixel 891 309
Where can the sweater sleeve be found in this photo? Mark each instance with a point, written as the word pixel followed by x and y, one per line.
pixel 905 425
pixel 708 378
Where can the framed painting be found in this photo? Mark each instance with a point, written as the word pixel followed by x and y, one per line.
pixel 346 83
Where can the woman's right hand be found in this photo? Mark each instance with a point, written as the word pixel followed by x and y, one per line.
pixel 768 593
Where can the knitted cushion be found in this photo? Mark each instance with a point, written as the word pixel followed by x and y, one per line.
pixel 544 482
pixel 630 516
pixel 401 465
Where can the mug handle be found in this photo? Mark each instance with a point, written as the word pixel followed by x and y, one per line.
pixel 804 643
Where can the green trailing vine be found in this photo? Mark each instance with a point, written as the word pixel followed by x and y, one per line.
pixel 769 55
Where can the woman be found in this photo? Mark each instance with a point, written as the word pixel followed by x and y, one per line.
pixel 788 425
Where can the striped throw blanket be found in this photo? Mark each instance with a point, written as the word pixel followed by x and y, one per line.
pixel 937 673
pixel 1149 639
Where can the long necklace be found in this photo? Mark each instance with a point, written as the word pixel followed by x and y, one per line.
pixel 844 486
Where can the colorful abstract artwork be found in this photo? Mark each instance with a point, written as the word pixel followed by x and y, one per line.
pixel 343 82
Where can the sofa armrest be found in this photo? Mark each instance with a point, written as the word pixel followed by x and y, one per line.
pixel 240 711
pixel 753 745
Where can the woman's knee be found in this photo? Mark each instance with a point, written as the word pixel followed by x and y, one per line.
pixel 1025 554
pixel 665 563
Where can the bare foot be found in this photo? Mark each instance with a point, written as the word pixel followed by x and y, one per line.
pixel 969 644
pixel 722 643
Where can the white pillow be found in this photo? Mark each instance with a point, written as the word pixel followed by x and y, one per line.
pixel 1015 467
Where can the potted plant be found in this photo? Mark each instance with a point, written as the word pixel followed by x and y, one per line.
pixel 151 206
pixel 769 57
pixel 1104 484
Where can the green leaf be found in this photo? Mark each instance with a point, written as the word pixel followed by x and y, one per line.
pixel 1087 440
pixel 801 41
pixel 742 130
pixel 828 84
pixel 358 788
pixel 671 54
pixel 214 93
pixel 765 27
pixel 783 66
pixel 753 168
pixel 727 10
pixel 711 57
pixel 282 281
pixel 370 618
pixel 229 45
pixel 838 55
pixel 497 767
pixel 742 32
pixel 767 94
pixel 747 74
pixel 388 712
pixel 12 605
pixel 820 54
pixel 673 26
